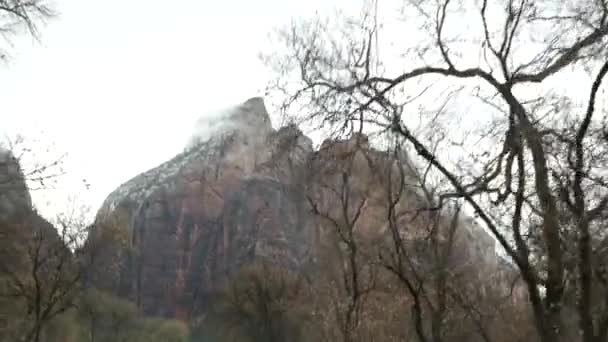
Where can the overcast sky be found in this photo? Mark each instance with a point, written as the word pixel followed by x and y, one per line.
pixel 118 84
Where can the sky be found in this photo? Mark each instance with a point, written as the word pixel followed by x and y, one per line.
pixel 118 85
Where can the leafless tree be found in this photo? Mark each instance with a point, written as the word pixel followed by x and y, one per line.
pixel 368 204
pixel 18 14
pixel 531 169
pixel 22 159
pixel 39 272
pixel 447 265
pixel 337 200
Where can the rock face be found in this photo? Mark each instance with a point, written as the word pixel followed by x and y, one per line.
pixel 194 220
pixel 240 194
pixel 15 198
pixel 31 251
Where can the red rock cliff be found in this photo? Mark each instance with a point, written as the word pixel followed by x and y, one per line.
pixel 231 198
pixel 197 218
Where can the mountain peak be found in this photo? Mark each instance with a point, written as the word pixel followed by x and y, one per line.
pixel 14 195
pixel 249 118
pixel 256 103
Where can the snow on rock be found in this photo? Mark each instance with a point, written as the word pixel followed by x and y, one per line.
pixel 242 130
pixel 250 118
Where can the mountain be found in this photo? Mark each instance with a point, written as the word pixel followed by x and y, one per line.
pixel 243 192
pixel 15 198
pixel 38 277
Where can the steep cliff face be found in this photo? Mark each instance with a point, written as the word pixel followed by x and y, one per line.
pixel 194 220
pixel 33 256
pixel 15 198
pixel 18 217
pixel 240 194
pixel 19 220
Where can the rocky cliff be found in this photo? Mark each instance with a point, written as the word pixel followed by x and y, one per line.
pixel 15 198
pixel 33 256
pixel 240 194
pixel 194 220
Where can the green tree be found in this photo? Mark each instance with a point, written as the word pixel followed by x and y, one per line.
pixel 159 330
pixel 259 305
pixel 103 317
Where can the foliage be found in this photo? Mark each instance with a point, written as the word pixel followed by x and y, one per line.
pixel 104 317
pixel 38 273
pixel 159 330
pixel 259 304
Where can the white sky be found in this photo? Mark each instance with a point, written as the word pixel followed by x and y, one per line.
pixel 119 84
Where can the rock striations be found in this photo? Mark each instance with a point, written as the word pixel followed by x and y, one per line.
pixel 237 195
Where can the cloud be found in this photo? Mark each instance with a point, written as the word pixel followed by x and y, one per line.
pixel 249 117
pixel 213 123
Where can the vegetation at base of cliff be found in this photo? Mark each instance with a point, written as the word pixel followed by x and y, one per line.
pixel 100 317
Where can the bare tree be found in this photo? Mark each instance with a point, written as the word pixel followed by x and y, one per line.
pixel 18 14
pixel 39 272
pixel 532 168
pixel 338 200
pixel 447 265
pixel 20 159
pixel 371 202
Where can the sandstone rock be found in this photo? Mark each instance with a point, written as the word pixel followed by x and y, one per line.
pixel 239 194
pixel 225 201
